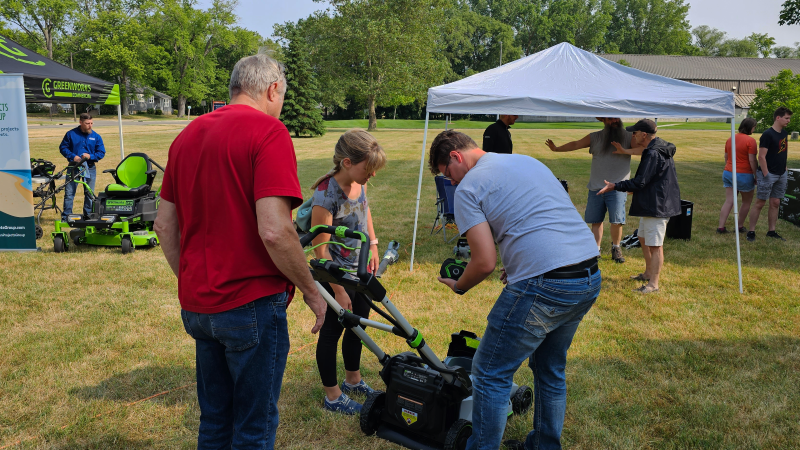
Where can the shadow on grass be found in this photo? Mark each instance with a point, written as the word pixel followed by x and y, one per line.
pixel 141 383
pixel 103 442
pixel 698 393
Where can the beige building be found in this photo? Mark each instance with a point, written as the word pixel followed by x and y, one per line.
pixel 718 72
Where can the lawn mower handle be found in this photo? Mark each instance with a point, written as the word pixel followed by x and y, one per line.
pixel 363 257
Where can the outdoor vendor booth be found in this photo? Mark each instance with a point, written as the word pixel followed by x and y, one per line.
pixel 567 81
pixel 27 77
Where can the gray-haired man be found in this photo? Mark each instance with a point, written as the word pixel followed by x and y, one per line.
pixel 226 229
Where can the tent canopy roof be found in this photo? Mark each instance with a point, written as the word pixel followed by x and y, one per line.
pixel 48 81
pixel 567 81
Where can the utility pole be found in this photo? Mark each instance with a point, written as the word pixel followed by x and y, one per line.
pixel 74 113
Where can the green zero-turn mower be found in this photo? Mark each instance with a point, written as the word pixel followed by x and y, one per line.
pixel 428 401
pixel 122 215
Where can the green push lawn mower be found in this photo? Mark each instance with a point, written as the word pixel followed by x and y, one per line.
pixel 122 215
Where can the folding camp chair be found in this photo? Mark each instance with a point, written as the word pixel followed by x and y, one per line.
pixel 445 214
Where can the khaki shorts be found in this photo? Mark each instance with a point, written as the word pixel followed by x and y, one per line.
pixel 652 230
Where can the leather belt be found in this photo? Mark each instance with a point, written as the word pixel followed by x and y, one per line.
pixel 574 271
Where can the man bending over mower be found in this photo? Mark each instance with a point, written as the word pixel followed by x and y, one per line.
pixel 226 229
pixel 550 270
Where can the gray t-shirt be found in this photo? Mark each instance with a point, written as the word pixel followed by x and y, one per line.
pixel 346 212
pixel 605 164
pixel 532 218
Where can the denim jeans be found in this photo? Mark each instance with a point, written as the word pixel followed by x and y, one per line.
pixel 71 188
pixel 536 319
pixel 241 356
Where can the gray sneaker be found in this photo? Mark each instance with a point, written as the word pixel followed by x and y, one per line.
pixel 616 255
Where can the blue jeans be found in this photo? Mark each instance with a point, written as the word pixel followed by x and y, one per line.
pixel 71 188
pixel 611 201
pixel 536 319
pixel 241 356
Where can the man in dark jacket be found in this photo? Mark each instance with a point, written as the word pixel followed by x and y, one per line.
pixel 497 138
pixel 656 198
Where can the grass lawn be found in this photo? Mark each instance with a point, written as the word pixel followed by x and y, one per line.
pixel 403 124
pixel 90 338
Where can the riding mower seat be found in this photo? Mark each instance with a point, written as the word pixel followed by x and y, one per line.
pixel 134 177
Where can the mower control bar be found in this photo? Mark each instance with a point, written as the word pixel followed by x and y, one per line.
pixel 363 257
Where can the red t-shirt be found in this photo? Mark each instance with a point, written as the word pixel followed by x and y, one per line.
pixel 218 167
pixel 745 146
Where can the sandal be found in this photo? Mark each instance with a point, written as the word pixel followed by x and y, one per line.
pixel 645 289
pixel 639 277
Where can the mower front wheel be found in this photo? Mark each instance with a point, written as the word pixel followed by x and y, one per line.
pixel 522 400
pixel 127 245
pixel 39 232
pixel 457 435
pixel 153 242
pixel 371 412
pixel 58 244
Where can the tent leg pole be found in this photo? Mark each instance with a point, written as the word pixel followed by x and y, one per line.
pixel 419 190
pixel 735 198
pixel 119 122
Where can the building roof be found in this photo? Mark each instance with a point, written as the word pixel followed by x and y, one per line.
pixel 709 67
pixel 141 90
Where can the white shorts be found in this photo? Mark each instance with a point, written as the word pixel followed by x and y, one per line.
pixel 652 230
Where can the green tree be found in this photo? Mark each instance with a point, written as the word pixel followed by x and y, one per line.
pixel 473 42
pixel 784 51
pixel 188 38
pixel 119 42
pixel 790 13
pixel 744 48
pixel 782 90
pixel 708 40
pixel 381 51
pixel 651 27
pixel 763 42
pixel 301 113
pixel 40 20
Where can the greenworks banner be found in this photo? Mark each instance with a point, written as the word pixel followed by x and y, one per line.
pixel 47 81
pixel 17 230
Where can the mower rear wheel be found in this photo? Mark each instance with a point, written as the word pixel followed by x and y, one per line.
pixel 153 242
pixel 127 246
pixel 39 232
pixel 371 412
pixel 58 244
pixel 457 435
pixel 522 400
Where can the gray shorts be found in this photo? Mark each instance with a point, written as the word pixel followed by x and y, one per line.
pixel 770 186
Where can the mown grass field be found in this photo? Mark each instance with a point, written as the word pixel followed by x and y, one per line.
pixel 88 339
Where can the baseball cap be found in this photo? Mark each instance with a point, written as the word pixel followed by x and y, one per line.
pixel 646 125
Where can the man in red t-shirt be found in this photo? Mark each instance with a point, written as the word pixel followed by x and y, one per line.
pixel 226 229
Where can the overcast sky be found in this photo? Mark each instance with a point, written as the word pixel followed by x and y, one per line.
pixel 738 18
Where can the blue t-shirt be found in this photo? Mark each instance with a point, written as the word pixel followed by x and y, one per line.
pixel 532 218
pixel 346 212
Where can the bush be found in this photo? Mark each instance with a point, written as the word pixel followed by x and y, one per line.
pixel 782 90
pixel 36 108
pixel 151 111
pixel 159 112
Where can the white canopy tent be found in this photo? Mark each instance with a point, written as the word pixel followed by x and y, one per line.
pixel 567 81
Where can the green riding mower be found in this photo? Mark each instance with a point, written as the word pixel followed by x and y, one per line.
pixel 122 215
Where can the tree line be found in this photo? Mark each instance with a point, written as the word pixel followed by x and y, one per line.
pixel 354 57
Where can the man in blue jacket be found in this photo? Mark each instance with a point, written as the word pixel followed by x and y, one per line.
pixel 656 198
pixel 81 143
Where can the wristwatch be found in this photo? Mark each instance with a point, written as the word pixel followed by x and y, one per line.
pixel 457 290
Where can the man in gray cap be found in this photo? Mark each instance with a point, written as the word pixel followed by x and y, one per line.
pixel 656 197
